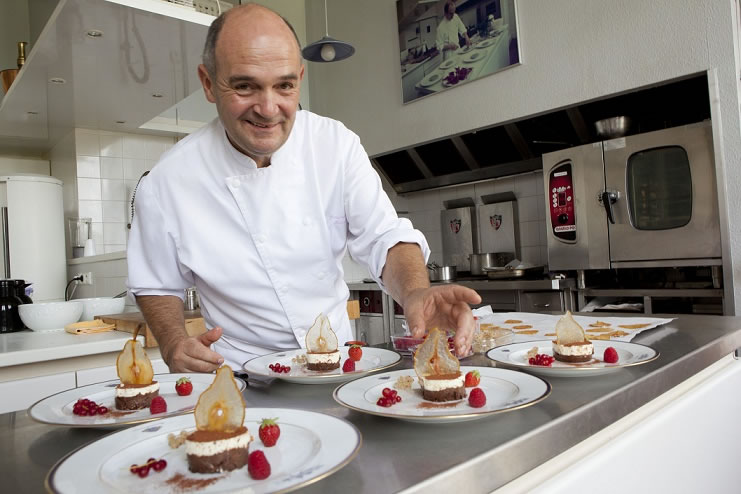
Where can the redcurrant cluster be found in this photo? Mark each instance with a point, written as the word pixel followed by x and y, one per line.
pixel 541 359
pixel 84 407
pixel 280 369
pixel 390 397
pixel 143 470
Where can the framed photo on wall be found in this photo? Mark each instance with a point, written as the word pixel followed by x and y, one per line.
pixel 446 43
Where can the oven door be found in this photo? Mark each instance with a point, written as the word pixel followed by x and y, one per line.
pixel 666 206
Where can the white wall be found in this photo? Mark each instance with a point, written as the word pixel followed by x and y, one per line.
pixel 572 51
pixel 10 165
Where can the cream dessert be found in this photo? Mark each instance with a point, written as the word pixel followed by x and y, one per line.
pixel 220 442
pixel 571 343
pixel 136 396
pixel 321 346
pixel 323 361
pixel 438 371
pixel 135 372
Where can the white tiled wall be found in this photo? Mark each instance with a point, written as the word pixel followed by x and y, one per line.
pixel 109 165
pixel 423 209
pixel 109 278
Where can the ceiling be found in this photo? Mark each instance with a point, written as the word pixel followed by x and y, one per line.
pixel 142 65
pixel 517 147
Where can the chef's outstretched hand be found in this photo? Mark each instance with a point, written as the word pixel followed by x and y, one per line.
pixel 193 354
pixel 444 307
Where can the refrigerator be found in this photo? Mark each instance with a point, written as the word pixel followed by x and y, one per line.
pixel 32 224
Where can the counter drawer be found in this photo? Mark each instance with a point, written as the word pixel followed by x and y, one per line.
pixel 541 301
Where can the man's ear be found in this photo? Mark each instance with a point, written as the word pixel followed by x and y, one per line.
pixel 206 82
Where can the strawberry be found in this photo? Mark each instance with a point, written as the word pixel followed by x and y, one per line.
pixel 473 378
pixel 258 466
pixel 477 398
pixel 269 432
pixel 348 366
pixel 355 352
pixel 183 386
pixel 158 405
pixel 611 355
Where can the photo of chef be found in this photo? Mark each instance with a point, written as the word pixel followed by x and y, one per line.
pixel 444 43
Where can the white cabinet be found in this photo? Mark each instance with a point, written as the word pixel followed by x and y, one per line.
pixel 108 373
pixel 22 393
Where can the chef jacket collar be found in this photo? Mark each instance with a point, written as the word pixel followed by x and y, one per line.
pixel 279 156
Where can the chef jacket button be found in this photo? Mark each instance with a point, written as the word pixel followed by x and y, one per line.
pixel 259 239
pixel 320 275
pixel 236 183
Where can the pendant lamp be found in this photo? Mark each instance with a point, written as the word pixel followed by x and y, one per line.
pixel 327 49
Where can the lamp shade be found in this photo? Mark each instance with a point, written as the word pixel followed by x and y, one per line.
pixel 327 49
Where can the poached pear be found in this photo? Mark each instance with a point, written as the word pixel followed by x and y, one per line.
pixel 221 407
pixel 320 338
pixel 133 364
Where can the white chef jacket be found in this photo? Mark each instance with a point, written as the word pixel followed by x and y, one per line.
pixel 263 246
pixel 447 32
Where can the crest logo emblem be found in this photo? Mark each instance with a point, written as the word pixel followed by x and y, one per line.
pixel 455 225
pixel 496 221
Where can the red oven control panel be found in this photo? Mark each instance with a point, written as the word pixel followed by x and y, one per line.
pixel 561 202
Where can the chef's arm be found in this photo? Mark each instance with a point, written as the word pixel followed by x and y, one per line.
pixel 182 353
pixel 447 306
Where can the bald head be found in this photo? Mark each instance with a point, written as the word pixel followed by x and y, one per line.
pixel 252 20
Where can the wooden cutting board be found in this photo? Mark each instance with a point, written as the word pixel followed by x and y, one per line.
pixel 129 322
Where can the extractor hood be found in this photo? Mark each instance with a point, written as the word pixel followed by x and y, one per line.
pixel 517 147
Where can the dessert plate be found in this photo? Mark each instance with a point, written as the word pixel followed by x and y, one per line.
pixel 629 354
pixel 474 56
pixel 504 389
pixel 430 79
pixel 485 43
pixel 57 408
pixel 312 446
pixel 447 64
pixel 463 49
pixel 373 360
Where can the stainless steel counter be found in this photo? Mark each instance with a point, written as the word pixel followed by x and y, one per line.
pixel 487 285
pixel 476 456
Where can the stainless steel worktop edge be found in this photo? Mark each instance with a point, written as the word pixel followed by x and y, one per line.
pixel 497 467
pixel 484 285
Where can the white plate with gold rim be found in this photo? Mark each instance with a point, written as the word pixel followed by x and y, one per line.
pixel 311 446
pixel 629 354
pixel 57 408
pixel 505 390
pixel 372 360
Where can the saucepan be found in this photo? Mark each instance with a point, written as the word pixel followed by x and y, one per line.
pixel 481 262
pixel 442 273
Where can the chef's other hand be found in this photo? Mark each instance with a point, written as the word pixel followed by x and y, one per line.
pixel 444 307
pixel 193 354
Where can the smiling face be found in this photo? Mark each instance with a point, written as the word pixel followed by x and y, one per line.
pixel 257 81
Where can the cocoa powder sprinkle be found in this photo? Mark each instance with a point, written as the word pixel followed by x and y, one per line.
pixel 183 483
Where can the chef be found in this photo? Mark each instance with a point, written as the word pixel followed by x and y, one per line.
pixel 448 30
pixel 257 209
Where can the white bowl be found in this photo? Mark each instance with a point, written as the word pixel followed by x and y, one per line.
pixel 50 315
pixel 100 306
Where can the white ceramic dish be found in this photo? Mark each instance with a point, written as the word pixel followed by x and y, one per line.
pixel 311 447
pixel 463 49
pixel 50 315
pixel 485 43
pixel 474 56
pixel 373 360
pixel 57 408
pixel 447 64
pixel 100 306
pixel 629 354
pixel 505 390
pixel 430 79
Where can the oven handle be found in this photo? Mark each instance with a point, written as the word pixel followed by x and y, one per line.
pixel 607 199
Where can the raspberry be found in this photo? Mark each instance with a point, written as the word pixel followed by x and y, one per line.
pixel 158 405
pixel 258 466
pixel 477 398
pixel 348 366
pixel 611 355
